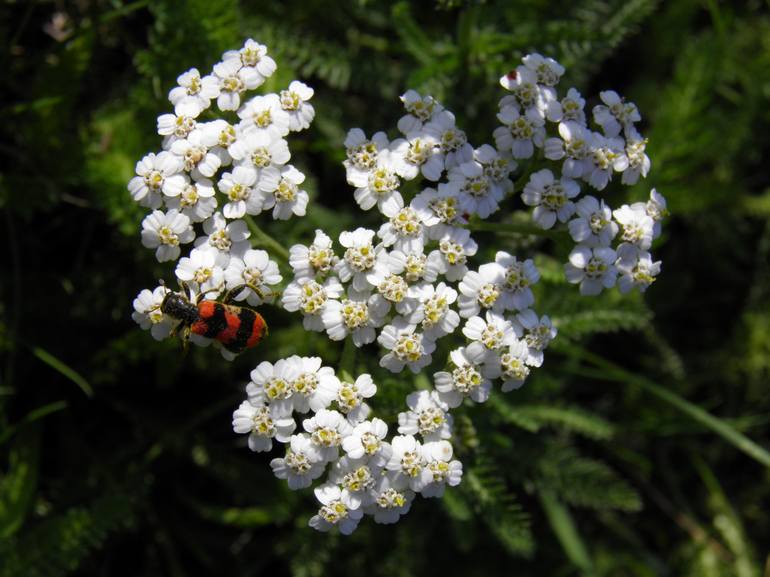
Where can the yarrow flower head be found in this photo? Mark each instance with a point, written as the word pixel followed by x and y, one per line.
pixel 406 285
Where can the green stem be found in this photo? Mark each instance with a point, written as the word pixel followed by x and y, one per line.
pixel 265 240
pixel 612 372
pixel 566 532
pixel 348 359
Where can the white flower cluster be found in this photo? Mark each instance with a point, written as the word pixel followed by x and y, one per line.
pixel 365 472
pixel 406 285
pixel 592 157
pixel 210 175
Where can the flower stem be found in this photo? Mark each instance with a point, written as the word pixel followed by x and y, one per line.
pixel 348 358
pixel 265 240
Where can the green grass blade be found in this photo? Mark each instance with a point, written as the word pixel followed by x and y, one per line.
pixel 612 372
pixel 564 527
pixel 64 370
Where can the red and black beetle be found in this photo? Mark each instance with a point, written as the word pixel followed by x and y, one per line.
pixel 237 327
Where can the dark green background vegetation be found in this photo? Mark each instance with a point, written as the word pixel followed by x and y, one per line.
pixel 628 454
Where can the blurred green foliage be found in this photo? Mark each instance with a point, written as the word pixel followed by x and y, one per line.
pixel 116 454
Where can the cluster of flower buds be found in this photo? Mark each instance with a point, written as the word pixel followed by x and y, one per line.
pixel 407 285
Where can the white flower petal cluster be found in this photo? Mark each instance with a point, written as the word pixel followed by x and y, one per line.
pixel 534 116
pixel 404 284
pixel 214 175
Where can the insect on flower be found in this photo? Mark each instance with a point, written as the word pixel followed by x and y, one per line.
pixel 237 327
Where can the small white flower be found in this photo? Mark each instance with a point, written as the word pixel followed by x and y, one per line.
pixel 407 348
pixel 334 512
pixel 367 440
pixel 392 286
pixel 195 200
pixel 418 155
pixel 201 268
pixel 318 258
pixel 638 161
pixel 357 315
pixel 360 257
pixel 520 133
pixel 433 313
pixel 147 313
pixel 478 193
pixel 253 56
pixel 273 384
pixel 327 429
pixel 310 297
pixel 550 197
pixel 547 70
pixel 497 166
pixel 194 89
pixel 390 503
pixel 264 115
pixel 494 332
pixel 294 101
pixel 225 237
pixel 302 463
pixel 636 226
pixel 539 332
pixel 263 424
pixel 314 386
pixel 568 109
pixel 574 145
pixel 593 268
pixel 513 365
pixel 479 290
pixel 255 270
pixel 378 186
pixel 259 150
pixel 453 143
pixel 594 225
pixel 284 196
pixel 656 209
pixel 165 232
pixel 238 187
pixel 441 468
pixel 439 210
pixel 234 79
pixel 415 267
pixel 408 462
pixel 607 156
pixel 195 155
pixel 180 123
pixel 420 109
pixel 637 269
pixel 427 416
pixel 405 231
pixel 356 478
pixel 466 379
pixel 156 174
pixel 350 397
pixel 516 278
pixel 454 248
pixel 615 113
pixel 362 153
pixel 527 93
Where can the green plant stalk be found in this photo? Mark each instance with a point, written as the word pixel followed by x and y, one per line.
pixel 612 372
pixel 267 241
pixel 563 525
